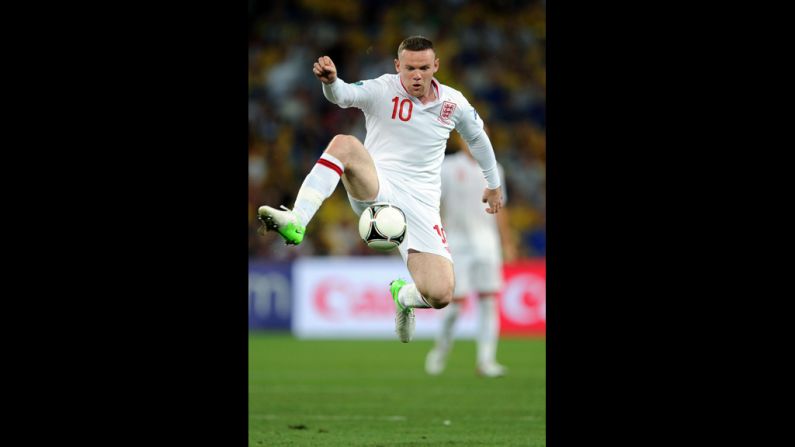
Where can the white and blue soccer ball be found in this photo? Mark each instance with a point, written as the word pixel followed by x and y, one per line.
pixel 382 226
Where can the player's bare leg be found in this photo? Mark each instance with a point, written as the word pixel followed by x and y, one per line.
pixel 346 158
pixel 432 287
pixel 360 178
pixel 433 277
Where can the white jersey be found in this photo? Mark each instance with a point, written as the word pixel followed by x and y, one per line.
pixel 470 229
pixel 407 139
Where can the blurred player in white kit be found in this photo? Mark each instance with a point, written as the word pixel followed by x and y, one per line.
pixel 409 117
pixel 475 239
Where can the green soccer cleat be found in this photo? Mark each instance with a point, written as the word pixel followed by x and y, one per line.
pixel 404 316
pixel 285 222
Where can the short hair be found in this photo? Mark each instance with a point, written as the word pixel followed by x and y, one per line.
pixel 415 43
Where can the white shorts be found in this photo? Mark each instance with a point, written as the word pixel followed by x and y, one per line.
pixel 424 231
pixel 480 275
pixel 478 265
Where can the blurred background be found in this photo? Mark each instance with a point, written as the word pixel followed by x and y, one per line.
pixel 493 53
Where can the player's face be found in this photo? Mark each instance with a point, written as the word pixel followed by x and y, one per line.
pixel 416 68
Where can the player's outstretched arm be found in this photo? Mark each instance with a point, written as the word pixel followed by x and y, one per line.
pixel 470 126
pixel 494 198
pixel 336 90
pixel 325 70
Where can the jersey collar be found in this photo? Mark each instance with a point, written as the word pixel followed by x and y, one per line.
pixel 436 85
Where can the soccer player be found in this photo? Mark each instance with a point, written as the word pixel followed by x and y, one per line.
pixel 409 116
pixel 475 238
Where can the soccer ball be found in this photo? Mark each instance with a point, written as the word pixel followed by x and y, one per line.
pixel 382 226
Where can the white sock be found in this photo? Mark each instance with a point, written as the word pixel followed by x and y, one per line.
pixel 317 187
pixel 488 329
pixel 409 296
pixel 444 341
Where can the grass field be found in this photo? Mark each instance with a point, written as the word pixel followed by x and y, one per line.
pixel 376 393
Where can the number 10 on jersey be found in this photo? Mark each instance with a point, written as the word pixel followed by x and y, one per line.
pixel 402 109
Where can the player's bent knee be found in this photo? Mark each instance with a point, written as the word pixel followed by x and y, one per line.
pixel 436 303
pixel 342 140
pixel 343 147
pixel 438 297
pixel 440 303
pixel 338 145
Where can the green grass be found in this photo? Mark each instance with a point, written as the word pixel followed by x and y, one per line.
pixel 376 393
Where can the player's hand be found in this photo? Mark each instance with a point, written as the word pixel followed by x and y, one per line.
pixel 494 198
pixel 325 70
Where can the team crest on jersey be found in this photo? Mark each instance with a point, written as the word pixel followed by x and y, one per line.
pixel 447 111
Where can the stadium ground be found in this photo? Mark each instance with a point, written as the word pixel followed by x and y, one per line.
pixel 376 393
